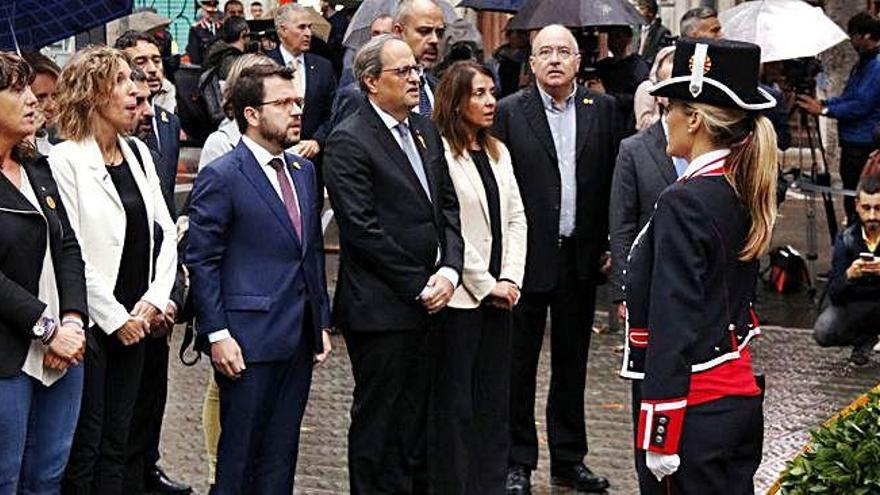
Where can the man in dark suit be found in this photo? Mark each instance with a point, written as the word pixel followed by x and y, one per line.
pixel 654 34
pixel 314 76
pixel 256 263
pixel 402 256
pixel 203 33
pixel 562 142
pixel 421 25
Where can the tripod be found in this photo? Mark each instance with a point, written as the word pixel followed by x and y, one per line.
pixel 817 180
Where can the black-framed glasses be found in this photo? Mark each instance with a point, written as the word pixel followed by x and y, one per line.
pixel 284 102
pixel 407 70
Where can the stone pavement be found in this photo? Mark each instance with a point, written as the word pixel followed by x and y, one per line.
pixel 805 385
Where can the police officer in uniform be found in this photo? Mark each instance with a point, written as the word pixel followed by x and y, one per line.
pixel 691 279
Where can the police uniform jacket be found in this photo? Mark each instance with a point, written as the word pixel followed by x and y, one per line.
pixel 689 303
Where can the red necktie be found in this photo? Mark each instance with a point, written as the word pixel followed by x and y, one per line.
pixel 288 197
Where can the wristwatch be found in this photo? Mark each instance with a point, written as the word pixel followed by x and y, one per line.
pixel 44 329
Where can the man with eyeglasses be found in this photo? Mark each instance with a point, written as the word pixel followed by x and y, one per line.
pixel 313 75
pixel 256 264
pixel 562 141
pixel 402 255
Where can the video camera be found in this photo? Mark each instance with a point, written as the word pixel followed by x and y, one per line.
pixel 800 74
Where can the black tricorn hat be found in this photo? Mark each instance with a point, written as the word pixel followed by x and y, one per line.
pixel 718 72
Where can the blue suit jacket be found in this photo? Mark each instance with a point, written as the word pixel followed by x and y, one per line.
pixel 168 127
pixel 249 272
pixel 320 92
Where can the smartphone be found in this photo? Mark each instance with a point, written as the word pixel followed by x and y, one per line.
pixel 869 257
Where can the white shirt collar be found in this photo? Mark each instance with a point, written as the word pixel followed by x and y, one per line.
pixel 389 120
pixel 704 159
pixel 262 155
pixel 287 56
pixel 550 103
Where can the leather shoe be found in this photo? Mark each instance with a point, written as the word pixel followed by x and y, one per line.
pixel 577 476
pixel 519 480
pixel 156 481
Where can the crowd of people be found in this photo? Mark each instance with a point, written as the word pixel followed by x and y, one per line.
pixel 465 222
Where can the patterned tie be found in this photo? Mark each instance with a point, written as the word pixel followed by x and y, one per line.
pixel 424 102
pixel 298 75
pixel 288 197
pixel 415 161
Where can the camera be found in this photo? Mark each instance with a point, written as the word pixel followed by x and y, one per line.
pixel 800 74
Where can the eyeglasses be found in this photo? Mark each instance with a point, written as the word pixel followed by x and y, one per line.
pixel 406 70
pixel 562 52
pixel 287 103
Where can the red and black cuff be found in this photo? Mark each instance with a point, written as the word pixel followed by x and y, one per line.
pixel 660 425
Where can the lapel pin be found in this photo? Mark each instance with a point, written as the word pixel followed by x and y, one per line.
pixel 164 117
pixel 588 101
pixel 296 165
pixel 421 140
pixel 50 202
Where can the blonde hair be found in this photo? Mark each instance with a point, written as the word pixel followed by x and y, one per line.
pixel 751 169
pixel 85 84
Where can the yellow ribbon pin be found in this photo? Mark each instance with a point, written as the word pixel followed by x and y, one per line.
pixel 422 141
pixel 588 101
pixel 164 117
pixel 296 165
pixel 50 202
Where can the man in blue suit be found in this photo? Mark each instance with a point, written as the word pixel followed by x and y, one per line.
pixel 255 258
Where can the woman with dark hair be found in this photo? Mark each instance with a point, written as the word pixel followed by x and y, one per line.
pixel 43 294
pixel 115 204
pixel 468 415
pixel 691 279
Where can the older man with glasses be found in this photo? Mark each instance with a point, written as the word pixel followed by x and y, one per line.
pixel 562 141
pixel 402 256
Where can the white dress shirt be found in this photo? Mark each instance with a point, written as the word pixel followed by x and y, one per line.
pixel 705 159
pixel 297 62
pixel 263 157
pixel 391 123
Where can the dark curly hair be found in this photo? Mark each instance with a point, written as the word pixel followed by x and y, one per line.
pixel 16 75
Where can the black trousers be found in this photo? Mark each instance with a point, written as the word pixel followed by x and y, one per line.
pixel 112 379
pixel 852 161
pixel 146 425
pixel 468 410
pixel 260 417
pixel 386 439
pixel 571 308
pixel 720 450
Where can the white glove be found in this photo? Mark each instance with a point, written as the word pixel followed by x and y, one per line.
pixel 662 464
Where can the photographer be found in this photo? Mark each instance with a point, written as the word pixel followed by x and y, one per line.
pixel 857 110
pixel 854 287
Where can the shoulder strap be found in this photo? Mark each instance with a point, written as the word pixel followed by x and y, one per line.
pixel 137 153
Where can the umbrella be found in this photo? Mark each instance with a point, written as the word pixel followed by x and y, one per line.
pixel 509 6
pixel 535 14
pixel 784 29
pixel 358 31
pixel 146 21
pixel 32 24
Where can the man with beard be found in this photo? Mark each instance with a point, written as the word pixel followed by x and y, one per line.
pixel 420 24
pixel 256 264
pixel 854 286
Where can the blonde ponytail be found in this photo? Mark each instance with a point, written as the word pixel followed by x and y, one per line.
pixel 751 168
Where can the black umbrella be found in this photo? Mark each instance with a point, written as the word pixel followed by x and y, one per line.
pixel 32 24
pixel 509 6
pixel 536 14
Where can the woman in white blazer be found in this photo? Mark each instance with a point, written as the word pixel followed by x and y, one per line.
pixel 111 191
pixel 468 412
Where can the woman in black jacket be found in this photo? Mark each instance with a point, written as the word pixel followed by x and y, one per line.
pixel 43 309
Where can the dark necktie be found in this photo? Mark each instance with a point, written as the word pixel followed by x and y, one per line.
pixel 288 197
pixel 424 102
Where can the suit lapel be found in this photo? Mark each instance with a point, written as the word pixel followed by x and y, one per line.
pixel 138 171
pixel 392 148
pixel 311 82
pixel 533 108
pixel 98 169
pixel 469 167
pixel 420 140
pixel 257 178
pixel 656 145
pixel 12 199
pixel 583 105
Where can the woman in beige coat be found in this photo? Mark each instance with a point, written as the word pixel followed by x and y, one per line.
pixel 468 412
